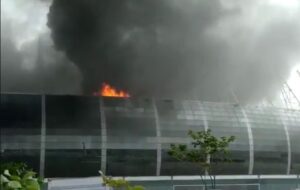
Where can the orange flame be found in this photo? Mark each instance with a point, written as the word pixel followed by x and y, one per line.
pixel 109 91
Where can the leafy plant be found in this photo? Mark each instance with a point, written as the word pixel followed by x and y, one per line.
pixel 206 148
pixel 17 176
pixel 120 184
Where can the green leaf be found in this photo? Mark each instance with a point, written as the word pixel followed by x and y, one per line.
pixel 29 175
pixel 40 181
pixel 3 179
pixel 182 147
pixel 32 185
pixel 14 185
pixel 6 172
pixel 138 187
pixel 14 178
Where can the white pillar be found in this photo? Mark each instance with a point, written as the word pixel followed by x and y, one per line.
pixel 103 136
pixel 205 123
pixel 251 144
pixel 43 137
pixel 288 141
pixel 158 138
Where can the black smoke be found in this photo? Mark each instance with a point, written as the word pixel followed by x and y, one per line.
pixel 163 48
pixel 29 62
pixel 170 48
pixel 143 46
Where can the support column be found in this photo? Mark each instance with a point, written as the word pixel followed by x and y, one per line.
pixel 158 138
pixel 204 117
pixel 103 136
pixel 205 123
pixel 43 137
pixel 289 159
pixel 288 169
pixel 251 144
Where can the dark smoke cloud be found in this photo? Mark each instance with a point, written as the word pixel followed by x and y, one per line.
pixel 178 49
pixel 202 49
pixel 29 62
pixel 146 47
pixel 49 75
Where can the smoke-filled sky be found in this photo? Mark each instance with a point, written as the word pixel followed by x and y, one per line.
pixel 204 49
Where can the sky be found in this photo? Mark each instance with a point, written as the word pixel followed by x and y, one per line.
pixel 203 49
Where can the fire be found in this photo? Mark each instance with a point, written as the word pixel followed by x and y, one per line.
pixel 110 91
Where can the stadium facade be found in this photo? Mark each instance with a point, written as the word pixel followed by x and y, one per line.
pixel 75 136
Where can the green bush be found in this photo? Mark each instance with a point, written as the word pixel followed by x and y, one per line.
pixel 119 184
pixel 17 176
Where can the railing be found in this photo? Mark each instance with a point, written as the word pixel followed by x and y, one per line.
pixel 219 187
pixel 228 182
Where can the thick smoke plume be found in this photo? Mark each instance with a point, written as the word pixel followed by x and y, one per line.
pixel 150 48
pixel 204 49
pixel 201 49
pixel 29 62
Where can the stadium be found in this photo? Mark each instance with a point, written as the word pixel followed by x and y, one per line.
pixel 103 91
pixel 75 136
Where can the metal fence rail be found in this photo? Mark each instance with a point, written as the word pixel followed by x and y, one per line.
pixel 219 186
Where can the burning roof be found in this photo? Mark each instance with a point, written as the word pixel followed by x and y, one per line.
pixel 110 91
